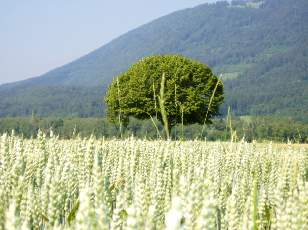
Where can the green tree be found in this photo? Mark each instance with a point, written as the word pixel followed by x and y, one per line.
pixel 191 92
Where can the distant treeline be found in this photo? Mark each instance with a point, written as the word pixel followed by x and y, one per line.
pixel 251 128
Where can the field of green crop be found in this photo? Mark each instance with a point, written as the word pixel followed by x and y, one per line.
pixel 47 183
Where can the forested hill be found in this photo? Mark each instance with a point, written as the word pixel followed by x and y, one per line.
pixel 260 48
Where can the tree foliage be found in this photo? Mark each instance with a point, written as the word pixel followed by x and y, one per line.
pixel 192 93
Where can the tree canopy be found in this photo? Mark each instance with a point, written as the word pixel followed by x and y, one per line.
pixel 191 94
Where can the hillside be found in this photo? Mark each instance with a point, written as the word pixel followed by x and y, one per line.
pixel 260 48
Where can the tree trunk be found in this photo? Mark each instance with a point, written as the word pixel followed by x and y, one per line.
pixel 169 130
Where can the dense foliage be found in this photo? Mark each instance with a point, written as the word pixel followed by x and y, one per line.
pixel 261 50
pixel 133 184
pixel 186 90
pixel 278 129
pixel 60 101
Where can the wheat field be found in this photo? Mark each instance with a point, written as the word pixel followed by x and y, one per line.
pixel 47 183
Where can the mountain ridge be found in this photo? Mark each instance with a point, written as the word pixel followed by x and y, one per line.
pixel 244 44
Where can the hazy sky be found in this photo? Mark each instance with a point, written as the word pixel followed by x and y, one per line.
pixel 39 35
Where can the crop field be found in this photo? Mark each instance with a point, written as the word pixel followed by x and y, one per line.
pixel 47 183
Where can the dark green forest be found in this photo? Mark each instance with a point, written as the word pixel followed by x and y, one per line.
pixel 251 128
pixel 259 48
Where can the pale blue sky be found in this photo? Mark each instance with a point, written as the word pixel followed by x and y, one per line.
pixel 39 35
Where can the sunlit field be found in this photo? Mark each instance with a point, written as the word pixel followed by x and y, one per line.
pixel 47 183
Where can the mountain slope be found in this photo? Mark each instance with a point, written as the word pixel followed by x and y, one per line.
pixel 260 48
